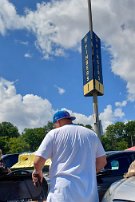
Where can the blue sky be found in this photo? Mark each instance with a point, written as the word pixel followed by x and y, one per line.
pixel 41 64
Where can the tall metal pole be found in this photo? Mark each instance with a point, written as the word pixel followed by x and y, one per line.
pixel 95 97
pixel 90 16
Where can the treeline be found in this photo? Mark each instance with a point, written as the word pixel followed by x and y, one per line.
pixel 118 136
pixel 11 141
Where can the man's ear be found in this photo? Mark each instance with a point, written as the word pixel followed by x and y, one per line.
pixel 59 122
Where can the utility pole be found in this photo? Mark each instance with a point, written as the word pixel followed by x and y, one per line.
pixel 92 69
pixel 95 97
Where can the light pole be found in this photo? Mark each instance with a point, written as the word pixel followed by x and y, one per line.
pixel 90 16
pixel 95 97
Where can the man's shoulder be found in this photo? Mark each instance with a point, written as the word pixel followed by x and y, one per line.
pixel 86 129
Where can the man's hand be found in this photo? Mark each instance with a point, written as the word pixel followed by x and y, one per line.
pixel 37 177
pixel 100 163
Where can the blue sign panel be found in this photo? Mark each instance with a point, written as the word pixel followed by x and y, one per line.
pixel 87 59
pixel 91 63
pixel 97 66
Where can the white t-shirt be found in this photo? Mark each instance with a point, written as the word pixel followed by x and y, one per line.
pixel 73 150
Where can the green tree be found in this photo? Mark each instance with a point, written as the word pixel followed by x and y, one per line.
pixel 119 129
pixel 121 145
pixel 8 129
pixel 106 143
pixel 114 138
pixel 130 133
pixel 80 124
pixel 33 137
pixel 17 145
pixel 4 144
pixel 48 127
pixel 110 137
pixel 88 126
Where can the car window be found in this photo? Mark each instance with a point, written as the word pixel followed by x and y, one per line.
pixel 118 165
pixel 10 160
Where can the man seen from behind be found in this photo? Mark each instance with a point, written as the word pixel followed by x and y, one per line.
pixel 77 155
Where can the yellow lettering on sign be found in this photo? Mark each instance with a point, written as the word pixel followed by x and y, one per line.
pixel 85 39
pixel 86 62
pixel 86 57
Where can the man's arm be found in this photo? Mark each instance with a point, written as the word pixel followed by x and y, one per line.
pixel 39 163
pixel 100 163
pixel 37 174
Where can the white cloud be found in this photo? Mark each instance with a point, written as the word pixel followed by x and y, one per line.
pixel 110 117
pixel 55 24
pixel 119 113
pixel 83 119
pixel 121 104
pixel 60 25
pixel 60 52
pixel 107 117
pixel 9 20
pixel 119 37
pixel 60 90
pixel 25 43
pixel 27 55
pixel 18 109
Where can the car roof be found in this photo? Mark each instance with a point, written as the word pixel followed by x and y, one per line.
pixel 5 155
pixel 110 153
pixel 26 160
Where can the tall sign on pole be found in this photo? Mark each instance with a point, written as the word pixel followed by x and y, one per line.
pixel 92 69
